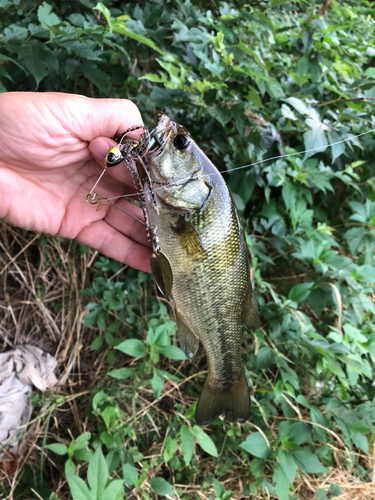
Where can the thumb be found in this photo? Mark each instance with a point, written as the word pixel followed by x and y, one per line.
pixel 105 117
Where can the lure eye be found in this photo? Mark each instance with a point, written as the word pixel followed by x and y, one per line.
pixel 181 142
pixel 113 157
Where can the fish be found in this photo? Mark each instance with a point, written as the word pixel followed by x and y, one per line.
pixel 201 261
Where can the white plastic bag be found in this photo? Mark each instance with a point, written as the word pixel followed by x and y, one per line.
pixel 21 368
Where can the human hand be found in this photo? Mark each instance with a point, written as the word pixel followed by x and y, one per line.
pixel 51 146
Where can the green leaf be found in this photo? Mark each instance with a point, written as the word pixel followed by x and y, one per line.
pixel 101 80
pixel 32 58
pixel 288 465
pixel 170 448
pixel 114 326
pixel 160 486
pixel 302 401
pixel 289 194
pixel 253 97
pixel 98 400
pixel 265 358
pixel 256 445
pixel 6 58
pixel 299 105
pixel 299 293
pixel 106 13
pixel 14 32
pixel 334 490
pixel 96 343
pixel 219 489
pixel 97 473
pixel 204 441
pixel 300 79
pixel 281 483
pixel 82 441
pixel 130 474
pixel 337 149
pixel 69 468
pixel 256 467
pixel 110 416
pixel 113 489
pixel 320 494
pixel 299 432
pixel 46 17
pixel 356 238
pixel 122 373
pixel 361 426
pixel 370 72
pixel 132 347
pixel 79 488
pixel 113 460
pixel 157 383
pixel 360 441
pixel 315 139
pixel 187 443
pixel 318 418
pixel 172 352
pixel 121 28
pixel 307 461
pixel 58 448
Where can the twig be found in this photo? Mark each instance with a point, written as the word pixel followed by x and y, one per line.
pixel 348 99
pixel 12 259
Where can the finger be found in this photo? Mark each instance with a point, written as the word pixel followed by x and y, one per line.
pixel 110 242
pixel 107 118
pixel 128 219
pixel 98 148
pixel 116 181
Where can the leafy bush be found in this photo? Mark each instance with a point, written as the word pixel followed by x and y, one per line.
pixel 280 95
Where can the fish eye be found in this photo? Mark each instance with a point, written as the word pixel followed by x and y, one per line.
pixel 181 142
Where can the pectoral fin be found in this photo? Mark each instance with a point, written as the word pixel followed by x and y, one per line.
pixel 189 238
pixel 162 272
pixel 250 313
pixel 189 343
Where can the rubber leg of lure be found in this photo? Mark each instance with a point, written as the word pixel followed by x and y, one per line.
pixel 137 181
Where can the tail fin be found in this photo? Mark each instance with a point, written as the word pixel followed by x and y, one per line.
pixel 231 400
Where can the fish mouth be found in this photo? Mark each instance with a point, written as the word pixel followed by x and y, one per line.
pixel 160 135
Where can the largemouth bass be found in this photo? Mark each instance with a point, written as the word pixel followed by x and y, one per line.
pixel 201 260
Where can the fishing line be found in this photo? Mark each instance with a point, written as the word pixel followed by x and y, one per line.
pixel 322 148
pixel 99 198
pixel 301 152
pixel 231 170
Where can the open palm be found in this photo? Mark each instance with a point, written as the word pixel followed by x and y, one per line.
pixel 52 148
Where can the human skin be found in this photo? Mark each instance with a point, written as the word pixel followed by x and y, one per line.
pixel 52 149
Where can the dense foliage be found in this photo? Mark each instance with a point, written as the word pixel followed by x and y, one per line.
pixel 251 82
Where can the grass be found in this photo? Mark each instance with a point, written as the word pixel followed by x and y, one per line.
pixel 41 303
